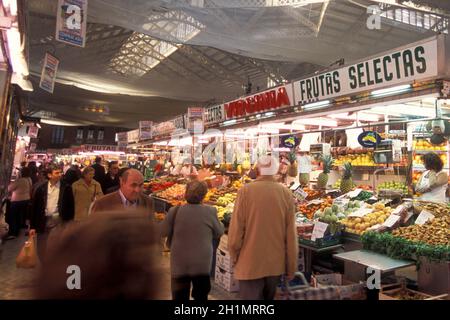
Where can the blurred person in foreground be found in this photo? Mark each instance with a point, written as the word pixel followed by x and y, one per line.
pixel 117 254
pixel 52 204
pixel 262 237
pixel 85 191
pixel 193 228
pixel 129 196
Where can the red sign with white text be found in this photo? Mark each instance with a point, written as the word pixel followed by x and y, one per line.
pixel 262 102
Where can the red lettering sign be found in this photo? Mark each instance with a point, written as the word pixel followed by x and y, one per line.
pixel 258 103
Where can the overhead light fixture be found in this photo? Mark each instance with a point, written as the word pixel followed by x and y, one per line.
pixel 316 105
pixel 361 116
pixel 38 125
pixel 229 122
pixel 317 122
pixel 390 91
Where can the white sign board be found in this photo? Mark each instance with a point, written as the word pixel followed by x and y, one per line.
pixel 361 212
pixel 392 69
pixel 393 218
pixel 319 230
pixel 423 217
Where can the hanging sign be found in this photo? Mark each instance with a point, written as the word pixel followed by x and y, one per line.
pixel 214 114
pixel 289 141
pixel 33 131
pixel 133 136
pixel 195 120
pixel 122 139
pixel 48 74
pixel 262 102
pixel 71 20
pixel 145 130
pixel 391 69
pixel 175 125
pixel 32 147
pixel 369 139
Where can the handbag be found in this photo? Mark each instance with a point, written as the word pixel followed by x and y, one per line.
pixel 170 235
pixel 27 257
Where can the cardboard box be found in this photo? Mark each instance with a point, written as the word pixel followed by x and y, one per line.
pixel 223 261
pixel 223 244
pixel 226 280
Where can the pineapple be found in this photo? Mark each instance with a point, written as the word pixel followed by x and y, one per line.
pixel 347 182
pixel 304 179
pixel 322 180
pixel 293 168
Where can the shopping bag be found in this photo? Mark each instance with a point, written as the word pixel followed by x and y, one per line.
pixel 27 257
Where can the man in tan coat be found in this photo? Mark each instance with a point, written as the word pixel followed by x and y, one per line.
pixel 262 238
pixel 129 196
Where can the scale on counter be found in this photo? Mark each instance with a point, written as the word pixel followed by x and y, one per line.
pixel 320 149
pixel 388 151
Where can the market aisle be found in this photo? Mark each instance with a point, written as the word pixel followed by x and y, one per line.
pixel 17 284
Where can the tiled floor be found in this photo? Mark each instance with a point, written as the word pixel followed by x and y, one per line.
pixel 17 283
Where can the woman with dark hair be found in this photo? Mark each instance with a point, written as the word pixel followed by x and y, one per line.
pixel 192 228
pixel 433 183
pixel 20 199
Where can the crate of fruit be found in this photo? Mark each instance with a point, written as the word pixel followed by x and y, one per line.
pixel 399 291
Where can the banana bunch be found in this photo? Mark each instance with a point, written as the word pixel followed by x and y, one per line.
pixel 226 199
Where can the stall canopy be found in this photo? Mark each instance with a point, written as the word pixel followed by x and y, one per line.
pixel 151 59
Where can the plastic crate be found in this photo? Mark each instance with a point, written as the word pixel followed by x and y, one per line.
pixel 327 241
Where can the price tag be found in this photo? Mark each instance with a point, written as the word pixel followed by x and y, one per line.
pixel 300 194
pixel 319 230
pixel 393 218
pixel 398 210
pixel 316 201
pixel 423 217
pixel 354 193
pixel 331 191
pixel 295 186
pixel 361 212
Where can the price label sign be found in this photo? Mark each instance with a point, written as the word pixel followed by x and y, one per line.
pixel 300 194
pixel 423 217
pixel 319 230
pixel 393 218
pixel 317 201
pixel 398 210
pixel 354 193
pixel 295 186
pixel 361 212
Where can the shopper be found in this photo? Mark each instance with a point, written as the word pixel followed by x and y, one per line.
pixel 111 178
pixel 99 170
pixel 117 258
pixel 85 192
pixel 262 238
pixel 20 199
pixel 33 171
pixel 193 228
pixel 72 175
pixel 433 183
pixel 129 196
pixel 52 204
pixel 188 170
